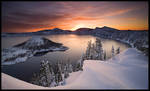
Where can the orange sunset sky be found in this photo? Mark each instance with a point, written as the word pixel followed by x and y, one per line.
pixel 35 16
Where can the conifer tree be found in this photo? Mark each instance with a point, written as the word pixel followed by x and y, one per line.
pixel 59 73
pixel 69 66
pixel 99 50
pixel 93 52
pixel 104 55
pixel 118 50
pixel 66 74
pixel 112 51
pixel 88 50
pixel 52 78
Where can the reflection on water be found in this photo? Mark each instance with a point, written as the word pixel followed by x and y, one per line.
pixel 77 45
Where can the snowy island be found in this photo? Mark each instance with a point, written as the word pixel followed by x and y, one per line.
pixel 29 48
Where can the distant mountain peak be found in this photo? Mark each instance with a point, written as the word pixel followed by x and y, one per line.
pixel 56 29
pixel 82 29
pixel 106 27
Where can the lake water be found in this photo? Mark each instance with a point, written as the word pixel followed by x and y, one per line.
pixel 77 45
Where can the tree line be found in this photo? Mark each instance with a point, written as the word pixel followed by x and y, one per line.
pixel 95 51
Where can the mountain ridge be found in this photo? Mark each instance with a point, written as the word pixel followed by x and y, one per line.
pixel 69 31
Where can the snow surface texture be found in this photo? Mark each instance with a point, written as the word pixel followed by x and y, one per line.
pixel 127 70
pixel 35 40
pixel 16 54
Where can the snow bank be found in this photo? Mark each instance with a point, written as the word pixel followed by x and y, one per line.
pixel 128 70
pixel 9 82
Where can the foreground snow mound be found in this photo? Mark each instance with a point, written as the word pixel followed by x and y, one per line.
pixel 13 83
pixel 128 70
pixel 29 48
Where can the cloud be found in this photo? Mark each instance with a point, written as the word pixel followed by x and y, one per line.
pixel 12 26
pixel 32 15
pixel 27 20
pixel 85 18
pixel 37 17
pixel 119 12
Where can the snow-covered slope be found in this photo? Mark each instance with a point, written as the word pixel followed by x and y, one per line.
pixel 127 70
pixel 35 40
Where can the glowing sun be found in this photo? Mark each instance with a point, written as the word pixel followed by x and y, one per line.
pixel 78 26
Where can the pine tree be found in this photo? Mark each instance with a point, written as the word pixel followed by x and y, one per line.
pixel 56 79
pixel 59 72
pixel 99 49
pixel 69 66
pixel 81 63
pixel 93 52
pixel 47 67
pixel 83 56
pixel 88 50
pixel 52 78
pixel 98 42
pixel 104 55
pixel 66 74
pixel 112 51
pixel 101 54
pixel 44 74
pixel 118 50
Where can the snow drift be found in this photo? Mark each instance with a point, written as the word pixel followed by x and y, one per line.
pixel 127 70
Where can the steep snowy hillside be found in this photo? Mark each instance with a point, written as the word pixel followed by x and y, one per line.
pixel 127 70
pixel 29 48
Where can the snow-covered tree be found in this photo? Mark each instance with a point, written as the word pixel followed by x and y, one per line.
pixel 99 49
pixel 88 50
pixel 59 73
pixel 98 43
pixel 52 78
pixel 66 73
pixel 118 50
pixel 113 51
pixel 45 74
pixel 101 55
pixel 104 55
pixel 79 64
pixel 95 51
pixel 69 66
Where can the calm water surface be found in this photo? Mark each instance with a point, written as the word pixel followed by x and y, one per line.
pixel 77 45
